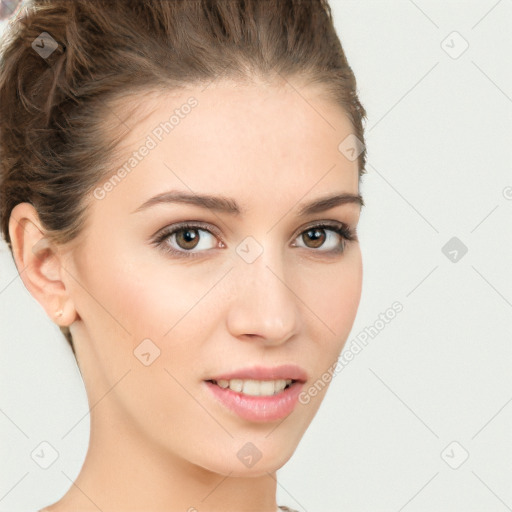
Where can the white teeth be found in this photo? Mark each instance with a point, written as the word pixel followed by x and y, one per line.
pixel 279 385
pixel 236 384
pixel 266 387
pixel 251 387
pixel 255 387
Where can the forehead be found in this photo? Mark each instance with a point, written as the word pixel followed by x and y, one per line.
pixel 227 137
pixel 230 112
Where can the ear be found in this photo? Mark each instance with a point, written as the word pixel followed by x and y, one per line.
pixel 40 264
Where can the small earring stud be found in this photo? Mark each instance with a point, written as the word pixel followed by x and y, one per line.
pixel 59 313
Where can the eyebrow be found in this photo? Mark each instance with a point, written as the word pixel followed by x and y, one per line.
pixel 227 205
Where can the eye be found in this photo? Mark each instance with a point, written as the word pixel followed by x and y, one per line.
pixel 332 238
pixel 186 239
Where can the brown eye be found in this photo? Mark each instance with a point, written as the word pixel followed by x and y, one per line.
pixel 314 237
pixel 325 238
pixel 187 238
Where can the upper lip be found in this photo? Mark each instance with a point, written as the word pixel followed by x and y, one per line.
pixel 283 372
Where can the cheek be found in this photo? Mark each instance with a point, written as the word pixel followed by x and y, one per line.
pixel 164 299
pixel 341 300
pixel 334 298
pixel 129 301
pixel 140 293
pixel 333 293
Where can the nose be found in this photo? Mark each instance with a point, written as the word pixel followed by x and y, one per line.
pixel 263 305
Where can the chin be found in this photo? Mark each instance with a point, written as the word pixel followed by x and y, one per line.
pixel 252 455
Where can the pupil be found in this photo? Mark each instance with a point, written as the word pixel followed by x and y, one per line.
pixel 187 238
pixel 317 236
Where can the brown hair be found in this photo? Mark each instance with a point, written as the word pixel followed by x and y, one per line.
pixel 52 150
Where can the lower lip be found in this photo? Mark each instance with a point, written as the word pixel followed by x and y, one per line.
pixel 258 408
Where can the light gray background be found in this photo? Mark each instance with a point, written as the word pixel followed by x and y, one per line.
pixel 431 387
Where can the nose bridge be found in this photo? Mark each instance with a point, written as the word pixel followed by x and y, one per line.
pixel 264 304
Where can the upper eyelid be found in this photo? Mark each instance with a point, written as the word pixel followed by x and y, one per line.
pixel 173 228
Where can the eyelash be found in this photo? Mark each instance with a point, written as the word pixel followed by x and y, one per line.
pixel 346 234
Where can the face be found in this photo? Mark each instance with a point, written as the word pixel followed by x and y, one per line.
pixel 193 330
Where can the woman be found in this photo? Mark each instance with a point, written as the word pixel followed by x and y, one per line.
pixel 180 191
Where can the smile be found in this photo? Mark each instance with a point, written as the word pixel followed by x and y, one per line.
pixel 258 394
pixel 255 387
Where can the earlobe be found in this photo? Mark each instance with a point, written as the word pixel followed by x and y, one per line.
pixel 39 264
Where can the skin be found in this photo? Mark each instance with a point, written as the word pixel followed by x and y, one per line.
pixel 159 440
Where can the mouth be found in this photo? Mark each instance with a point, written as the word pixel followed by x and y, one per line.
pixel 259 394
pixel 251 387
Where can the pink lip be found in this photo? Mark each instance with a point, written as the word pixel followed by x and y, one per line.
pixel 261 408
pixel 285 371
pixel 258 408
